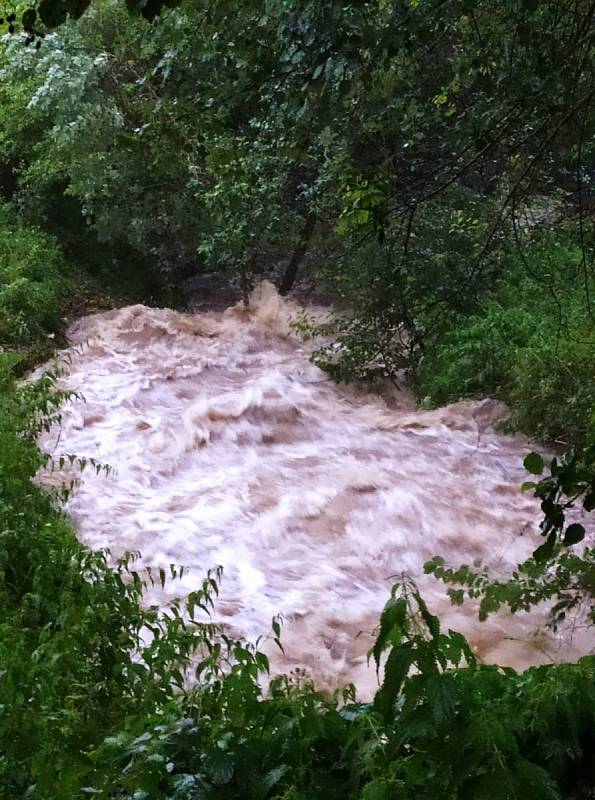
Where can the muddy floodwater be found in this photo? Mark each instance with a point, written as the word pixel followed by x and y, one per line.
pixel 229 447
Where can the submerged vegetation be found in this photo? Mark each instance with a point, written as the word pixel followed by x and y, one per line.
pixel 429 165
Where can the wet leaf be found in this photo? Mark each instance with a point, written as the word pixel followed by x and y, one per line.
pixel 533 463
pixel 574 534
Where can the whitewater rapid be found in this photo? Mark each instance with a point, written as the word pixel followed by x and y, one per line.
pixel 228 447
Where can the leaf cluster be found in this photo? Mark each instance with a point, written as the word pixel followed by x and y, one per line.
pixel 554 572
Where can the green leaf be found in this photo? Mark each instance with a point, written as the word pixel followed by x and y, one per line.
pixel 377 790
pixel 273 777
pixel 392 620
pixel 431 621
pixel 574 533
pixel 533 463
pixel 221 768
pixel 396 670
pixel 52 12
pixel 544 552
pixel 28 19
pixel 457 596
pixel 442 695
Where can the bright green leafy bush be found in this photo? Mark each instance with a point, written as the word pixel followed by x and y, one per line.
pixel 530 342
pixel 553 386
pixel 32 282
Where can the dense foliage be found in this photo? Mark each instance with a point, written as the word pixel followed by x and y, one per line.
pixel 533 348
pixel 427 161
pixel 32 277
pixel 430 166
pixel 95 700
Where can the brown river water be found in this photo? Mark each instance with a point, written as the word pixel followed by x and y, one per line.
pixel 229 447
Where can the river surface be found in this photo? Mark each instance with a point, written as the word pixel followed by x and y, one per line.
pixel 229 447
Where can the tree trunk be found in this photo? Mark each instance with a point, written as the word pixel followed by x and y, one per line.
pixel 292 268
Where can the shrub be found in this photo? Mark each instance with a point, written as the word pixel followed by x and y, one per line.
pixel 73 654
pixel 530 342
pixel 477 356
pixel 553 387
pixel 32 281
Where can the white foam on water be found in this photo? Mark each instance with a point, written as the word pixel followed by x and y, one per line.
pixel 229 447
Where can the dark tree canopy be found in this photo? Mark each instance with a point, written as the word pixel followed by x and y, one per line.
pixel 429 167
pixel 52 13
